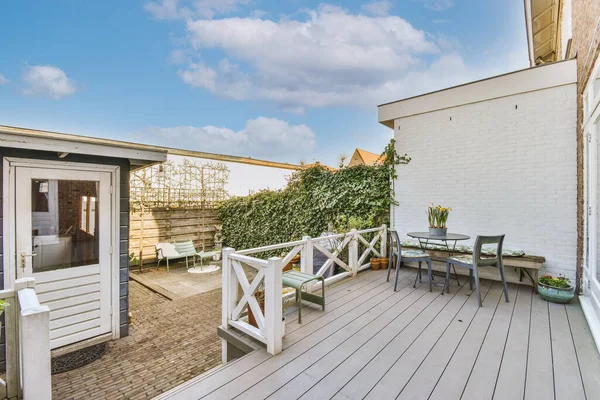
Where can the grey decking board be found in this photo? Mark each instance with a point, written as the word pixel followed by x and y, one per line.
pixel 454 378
pixel 365 369
pixel 409 360
pixel 423 380
pixel 366 350
pixel 587 352
pixel 320 331
pixel 435 365
pixel 335 291
pixel 566 366
pixel 484 373
pixel 511 378
pixel 339 290
pixel 539 381
pixel 363 328
pixel 378 336
pixel 361 379
pixel 333 306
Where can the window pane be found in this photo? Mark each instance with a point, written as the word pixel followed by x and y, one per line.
pixel 60 236
pixel 39 196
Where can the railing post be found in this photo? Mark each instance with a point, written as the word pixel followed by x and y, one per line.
pixel 383 243
pixel 273 305
pixel 306 260
pixel 353 252
pixel 229 288
pixel 34 322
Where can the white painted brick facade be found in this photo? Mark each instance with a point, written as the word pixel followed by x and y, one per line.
pixel 505 165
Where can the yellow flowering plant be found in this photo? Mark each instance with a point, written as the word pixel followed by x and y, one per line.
pixel 438 216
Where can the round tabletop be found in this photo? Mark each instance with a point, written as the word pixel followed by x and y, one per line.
pixel 427 235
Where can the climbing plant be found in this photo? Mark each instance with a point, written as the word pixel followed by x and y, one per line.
pixel 352 197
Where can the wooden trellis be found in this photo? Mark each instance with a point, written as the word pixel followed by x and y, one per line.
pixel 175 201
pixel 186 185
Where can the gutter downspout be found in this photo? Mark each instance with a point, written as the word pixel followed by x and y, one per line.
pixel 529 29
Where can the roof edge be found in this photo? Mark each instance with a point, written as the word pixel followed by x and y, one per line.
pixel 516 82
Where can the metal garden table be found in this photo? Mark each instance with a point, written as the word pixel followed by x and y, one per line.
pixel 425 237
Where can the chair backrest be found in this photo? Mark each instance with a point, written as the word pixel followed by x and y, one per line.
pixel 185 248
pixel 166 250
pixel 482 240
pixel 395 240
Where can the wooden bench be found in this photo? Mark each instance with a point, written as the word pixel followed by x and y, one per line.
pixel 515 268
pixel 297 280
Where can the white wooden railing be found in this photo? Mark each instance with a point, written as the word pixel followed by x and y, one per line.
pixel 27 330
pixel 269 328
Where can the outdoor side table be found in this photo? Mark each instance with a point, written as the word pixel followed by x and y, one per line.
pixel 297 279
pixel 425 237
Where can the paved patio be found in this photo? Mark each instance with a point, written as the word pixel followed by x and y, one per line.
pixel 170 342
pixel 178 282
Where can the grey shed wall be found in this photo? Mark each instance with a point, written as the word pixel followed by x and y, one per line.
pixel 123 222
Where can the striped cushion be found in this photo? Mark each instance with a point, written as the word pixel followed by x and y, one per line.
pixel 185 248
pixel 413 253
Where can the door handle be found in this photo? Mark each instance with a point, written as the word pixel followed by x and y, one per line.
pixel 23 255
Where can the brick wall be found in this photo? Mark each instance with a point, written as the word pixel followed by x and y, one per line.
pixel 506 165
pixel 586 45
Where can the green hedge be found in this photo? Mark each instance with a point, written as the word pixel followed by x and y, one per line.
pixel 355 197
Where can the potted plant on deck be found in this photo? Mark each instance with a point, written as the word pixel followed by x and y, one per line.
pixel 437 217
pixel 556 290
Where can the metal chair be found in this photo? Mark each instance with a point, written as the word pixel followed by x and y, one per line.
pixel 473 262
pixel 410 255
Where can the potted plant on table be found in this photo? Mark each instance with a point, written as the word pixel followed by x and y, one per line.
pixel 556 290
pixel 437 217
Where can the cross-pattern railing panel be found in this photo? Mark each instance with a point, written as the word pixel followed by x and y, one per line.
pixel 269 273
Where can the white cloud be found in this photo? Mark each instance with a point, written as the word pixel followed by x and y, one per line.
pixel 176 9
pixel 329 57
pixel 262 137
pixel 437 5
pixel 378 8
pixel 3 80
pixel 47 80
pixel 178 56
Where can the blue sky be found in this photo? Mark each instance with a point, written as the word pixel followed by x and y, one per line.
pixel 279 80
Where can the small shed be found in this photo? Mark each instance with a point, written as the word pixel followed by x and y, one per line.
pixel 65 209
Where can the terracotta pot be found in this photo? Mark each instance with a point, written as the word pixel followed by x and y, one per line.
pixel 394 261
pixel 375 263
pixel 384 262
pixel 293 261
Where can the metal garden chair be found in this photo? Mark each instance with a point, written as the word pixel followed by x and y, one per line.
pixel 473 262
pixel 410 255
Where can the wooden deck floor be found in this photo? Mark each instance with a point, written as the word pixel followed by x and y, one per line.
pixel 374 343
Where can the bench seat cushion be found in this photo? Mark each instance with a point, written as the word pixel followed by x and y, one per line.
pixel 413 253
pixel 463 248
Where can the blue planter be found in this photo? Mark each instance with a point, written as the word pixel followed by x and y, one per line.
pixel 556 295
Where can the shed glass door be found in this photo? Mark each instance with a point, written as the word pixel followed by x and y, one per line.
pixel 63 240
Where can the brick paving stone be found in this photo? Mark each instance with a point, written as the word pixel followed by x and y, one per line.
pixel 170 342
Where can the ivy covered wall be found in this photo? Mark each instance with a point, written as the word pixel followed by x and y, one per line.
pixel 355 197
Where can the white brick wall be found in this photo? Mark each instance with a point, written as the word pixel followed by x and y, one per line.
pixel 502 169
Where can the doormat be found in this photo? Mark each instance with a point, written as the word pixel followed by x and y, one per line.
pixel 78 358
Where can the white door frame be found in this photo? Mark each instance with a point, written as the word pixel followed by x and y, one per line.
pixel 590 300
pixel 9 223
